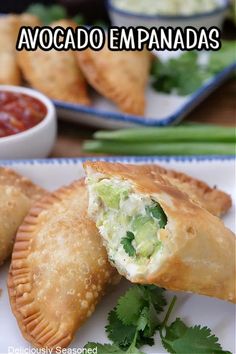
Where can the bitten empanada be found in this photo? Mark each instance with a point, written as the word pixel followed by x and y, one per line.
pixel 155 234
pixel 59 268
pixel 120 76
pixel 214 200
pixel 55 73
pixel 17 194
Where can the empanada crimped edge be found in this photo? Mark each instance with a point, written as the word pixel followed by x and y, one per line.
pixel 130 99
pixel 213 199
pixel 31 318
pixel 18 194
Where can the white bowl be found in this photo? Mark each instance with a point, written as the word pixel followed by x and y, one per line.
pixel 36 142
pixel 207 19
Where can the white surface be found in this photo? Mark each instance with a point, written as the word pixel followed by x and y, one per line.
pixel 161 108
pixel 36 142
pixel 193 309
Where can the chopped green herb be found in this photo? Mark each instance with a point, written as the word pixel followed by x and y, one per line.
pixel 127 244
pixel 158 213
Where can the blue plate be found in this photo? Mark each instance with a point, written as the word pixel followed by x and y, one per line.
pixel 162 109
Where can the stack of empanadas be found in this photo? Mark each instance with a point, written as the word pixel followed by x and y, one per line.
pixel 120 76
pixel 157 227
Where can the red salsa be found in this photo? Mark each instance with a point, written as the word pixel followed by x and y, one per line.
pixel 19 112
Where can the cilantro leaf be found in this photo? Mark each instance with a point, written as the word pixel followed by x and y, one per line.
pixel 173 75
pixel 180 339
pixel 133 349
pixel 141 303
pixel 120 334
pixel 155 295
pixel 131 330
pixel 48 14
pixel 130 305
pixel 158 213
pixel 127 244
pixel 152 321
pixel 222 58
pixel 123 335
pixel 136 315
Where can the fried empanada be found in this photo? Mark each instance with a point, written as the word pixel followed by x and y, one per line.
pixel 59 268
pixel 55 73
pixel 17 194
pixel 214 200
pixel 155 234
pixel 120 76
pixel 9 28
pixel 9 71
pixel 29 20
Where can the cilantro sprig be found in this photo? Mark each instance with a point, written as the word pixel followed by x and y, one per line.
pixel 173 75
pixel 134 321
pixel 127 244
pixel 50 13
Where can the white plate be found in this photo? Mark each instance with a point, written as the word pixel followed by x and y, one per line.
pixel 193 309
pixel 162 109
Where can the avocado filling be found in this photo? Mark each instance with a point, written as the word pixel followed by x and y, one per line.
pixel 129 222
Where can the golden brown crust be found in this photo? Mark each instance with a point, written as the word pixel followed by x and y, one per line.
pixel 214 200
pixel 62 78
pixel 198 252
pixel 8 177
pixel 59 268
pixel 29 20
pixel 9 71
pixel 119 76
pixel 17 194
pixel 9 29
pixel 14 205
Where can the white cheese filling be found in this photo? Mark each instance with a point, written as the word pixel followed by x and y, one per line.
pixel 117 209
